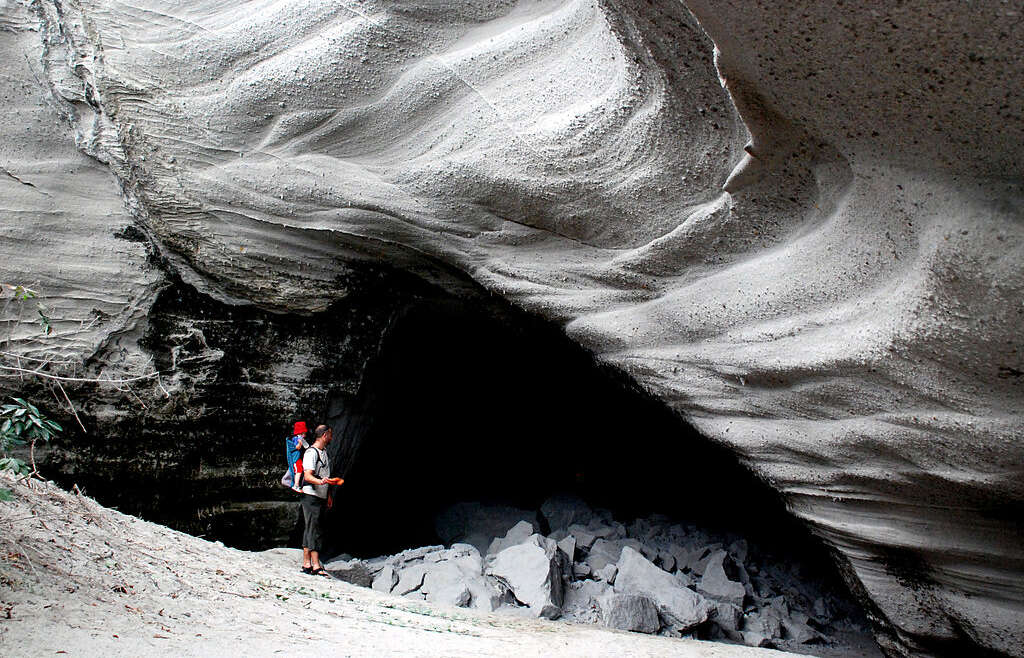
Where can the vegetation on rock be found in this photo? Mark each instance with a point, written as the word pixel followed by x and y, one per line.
pixel 22 423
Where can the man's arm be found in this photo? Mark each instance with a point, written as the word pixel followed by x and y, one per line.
pixel 312 479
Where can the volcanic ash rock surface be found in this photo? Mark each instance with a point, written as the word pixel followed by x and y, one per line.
pixel 845 315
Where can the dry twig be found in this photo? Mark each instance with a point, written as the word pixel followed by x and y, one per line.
pixel 90 513
pixel 90 380
pixel 70 406
pixel 21 551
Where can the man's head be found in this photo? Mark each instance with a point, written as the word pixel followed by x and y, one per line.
pixel 323 434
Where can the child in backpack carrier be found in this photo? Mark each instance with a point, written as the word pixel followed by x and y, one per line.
pixel 295 447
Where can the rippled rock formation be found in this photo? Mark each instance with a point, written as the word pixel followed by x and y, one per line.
pixel 845 316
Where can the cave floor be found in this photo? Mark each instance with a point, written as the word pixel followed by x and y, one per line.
pixel 80 579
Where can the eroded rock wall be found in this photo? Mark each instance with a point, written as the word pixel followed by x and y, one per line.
pixel 845 317
pixel 205 452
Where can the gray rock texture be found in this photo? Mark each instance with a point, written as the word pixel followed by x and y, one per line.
pixel 845 316
pixel 452 576
pixel 680 608
pixel 517 534
pixel 603 553
pixel 631 612
pixel 716 584
pixel 532 577
pixel 583 601
pixel 533 571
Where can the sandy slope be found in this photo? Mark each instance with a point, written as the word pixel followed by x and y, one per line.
pixel 79 579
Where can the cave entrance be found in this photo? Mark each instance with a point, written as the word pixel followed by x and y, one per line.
pixel 501 408
pixel 482 404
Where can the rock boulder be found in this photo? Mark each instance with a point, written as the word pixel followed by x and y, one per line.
pixel 680 608
pixel 533 571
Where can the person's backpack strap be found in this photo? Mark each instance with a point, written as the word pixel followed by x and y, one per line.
pixel 319 459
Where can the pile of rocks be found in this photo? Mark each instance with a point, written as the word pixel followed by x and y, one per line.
pixel 571 562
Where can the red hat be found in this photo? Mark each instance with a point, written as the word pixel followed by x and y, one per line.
pixel 300 428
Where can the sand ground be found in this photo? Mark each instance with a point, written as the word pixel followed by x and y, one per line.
pixel 79 579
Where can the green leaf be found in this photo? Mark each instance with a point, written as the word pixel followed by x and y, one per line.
pixel 25 421
pixel 6 495
pixel 15 465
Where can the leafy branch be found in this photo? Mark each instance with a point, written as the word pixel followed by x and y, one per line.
pixel 22 423
pixel 23 294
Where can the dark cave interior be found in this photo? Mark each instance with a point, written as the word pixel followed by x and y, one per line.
pixel 463 405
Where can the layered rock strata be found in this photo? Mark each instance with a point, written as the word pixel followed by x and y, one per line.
pixel 845 316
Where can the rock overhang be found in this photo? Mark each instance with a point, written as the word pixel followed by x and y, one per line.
pixel 846 320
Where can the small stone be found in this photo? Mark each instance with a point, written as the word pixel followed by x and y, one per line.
pixel 681 556
pixel 798 631
pixel 584 601
pixel 728 616
pixel 607 573
pixel 715 584
pixel 752 639
pixel 631 612
pixel 568 546
pixel 603 553
pixel 764 622
pixel 386 580
pixel 517 534
pixel 584 538
pixel 351 571
pixel 581 570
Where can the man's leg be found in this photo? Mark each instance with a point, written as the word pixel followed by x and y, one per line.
pixel 308 517
pixel 315 539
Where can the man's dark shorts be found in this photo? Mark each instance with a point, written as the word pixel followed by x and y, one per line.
pixel 313 510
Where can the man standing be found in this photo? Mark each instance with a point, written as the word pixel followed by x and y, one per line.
pixel 316 469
